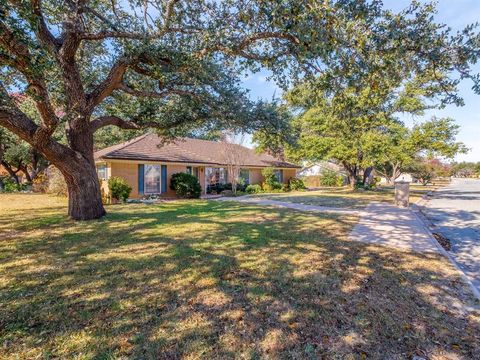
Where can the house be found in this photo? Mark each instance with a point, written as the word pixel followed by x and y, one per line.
pixel 318 168
pixel 147 164
pixel 312 173
pixel 405 177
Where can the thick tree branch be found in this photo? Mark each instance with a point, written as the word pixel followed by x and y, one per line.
pixel 109 34
pixel 17 122
pixel 42 31
pixel 112 120
pixel 21 59
pixel 103 121
pixel 111 82
pixel 169 13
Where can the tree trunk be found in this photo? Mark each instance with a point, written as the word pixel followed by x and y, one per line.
pixel 78 169
pixel 352 179
pixel 366 174
pixel 24 169
pixel 84 197
pixel 352 174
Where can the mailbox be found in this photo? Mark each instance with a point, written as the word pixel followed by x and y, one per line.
pixel 402 193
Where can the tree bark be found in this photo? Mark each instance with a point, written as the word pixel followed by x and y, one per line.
pixel 366 174
pixel 84 196
pixel 352 179
pixel 352 174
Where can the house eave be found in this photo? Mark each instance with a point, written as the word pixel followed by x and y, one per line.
pixel 156 160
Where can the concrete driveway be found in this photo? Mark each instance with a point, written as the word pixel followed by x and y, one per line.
pixel 455 213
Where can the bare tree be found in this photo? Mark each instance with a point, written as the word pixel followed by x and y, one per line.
pixel 234 156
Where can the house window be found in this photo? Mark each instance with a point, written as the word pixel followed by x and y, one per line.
pixel 279 175
pixel 189 170
pixel 152 179
pixel 102 172
pixel 245 176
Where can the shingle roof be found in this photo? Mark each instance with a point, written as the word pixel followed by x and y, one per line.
pixel 148 147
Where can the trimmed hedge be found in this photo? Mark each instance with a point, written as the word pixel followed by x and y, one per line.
pixel 186 186
pixel 253 189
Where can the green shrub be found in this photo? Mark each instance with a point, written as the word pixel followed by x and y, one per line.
pixel 296 184
pixel 331 178
pixel 270 180
pixel 186 185
pixel 119 188
pixel 9 185
pixel 253 189
pixel 372 185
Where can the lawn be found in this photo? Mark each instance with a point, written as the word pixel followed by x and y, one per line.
pixel 205 279
pixel 344 197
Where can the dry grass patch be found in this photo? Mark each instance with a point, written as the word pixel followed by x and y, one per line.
pixel 222 280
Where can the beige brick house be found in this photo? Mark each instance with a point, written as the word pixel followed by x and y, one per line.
pixel 147 164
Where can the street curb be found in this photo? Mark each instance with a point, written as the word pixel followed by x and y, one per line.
pixel 416 210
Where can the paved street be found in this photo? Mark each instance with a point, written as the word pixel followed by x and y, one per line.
pixel 455 212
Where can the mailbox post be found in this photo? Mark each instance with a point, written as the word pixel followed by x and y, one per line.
pixel 402 193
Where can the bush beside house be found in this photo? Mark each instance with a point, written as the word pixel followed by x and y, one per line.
pixel 185 185
pixel 253 189
pixel 270 181
pixel 119 188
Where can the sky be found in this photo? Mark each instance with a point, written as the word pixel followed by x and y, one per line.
pixel 454 13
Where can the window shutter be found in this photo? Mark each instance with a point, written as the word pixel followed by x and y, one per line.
pixel 164 179
pixel 141 174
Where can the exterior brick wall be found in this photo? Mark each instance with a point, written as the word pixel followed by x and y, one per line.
pixel 256 176
pixel 128 171
pixel 288 174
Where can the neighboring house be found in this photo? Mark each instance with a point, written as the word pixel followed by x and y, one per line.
pixel 147 164
pixel 407 177
pixel 321 166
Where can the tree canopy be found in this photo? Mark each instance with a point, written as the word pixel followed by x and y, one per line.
pixel 350 111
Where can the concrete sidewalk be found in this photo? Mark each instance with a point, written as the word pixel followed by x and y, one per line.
pixel 388 225
pixel 379 223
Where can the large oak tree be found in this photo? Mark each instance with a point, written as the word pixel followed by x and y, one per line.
pixel 351 112
pixel 173 65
